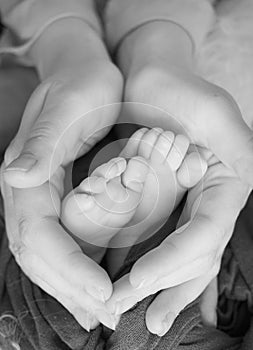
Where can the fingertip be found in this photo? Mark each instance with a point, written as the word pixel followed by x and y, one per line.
pixel 19 172
pixel 12 152
pixel 28 171
pixel 100 287
pixel 152 324
pixel 23 179
pixel 208 304
pixel 23 163
pixel 160 326
pixel 138 280
pixel 141 274
pixel 100 293
pixel 210 320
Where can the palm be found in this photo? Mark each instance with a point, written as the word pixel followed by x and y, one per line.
pixel 186 103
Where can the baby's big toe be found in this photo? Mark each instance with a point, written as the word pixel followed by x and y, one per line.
pixel 162 147
pixel 114 168
pixel 148 142
pixel 135 174
pixel 191 170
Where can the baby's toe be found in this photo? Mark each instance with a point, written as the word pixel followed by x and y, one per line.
pixel 177 152
pixel 114 168
pixel 92 185
pixel 148 142
pixel 83 202
pixel 96 183
pixel 135 174
pixel 162 147
pixel 191 170
pixel 132 146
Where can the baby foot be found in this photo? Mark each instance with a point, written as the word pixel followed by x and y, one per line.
pixel 172 169
pixel 101 205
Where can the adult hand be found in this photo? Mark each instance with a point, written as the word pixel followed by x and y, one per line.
pixel 49 256
pixel 164 78
pixel 66 115
pixel 187 262
pixel 205 112
pixel 62 120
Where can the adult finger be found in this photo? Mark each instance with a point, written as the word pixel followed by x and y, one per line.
pixel 32 215
pixel 167 305
pixel 57 126
pixel 208 303
pixel 210 215
pixel 87 310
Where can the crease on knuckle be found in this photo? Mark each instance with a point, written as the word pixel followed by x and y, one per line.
pixel 25 225
pixel 28 227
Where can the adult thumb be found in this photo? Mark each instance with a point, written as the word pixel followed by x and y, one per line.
pixel 34 155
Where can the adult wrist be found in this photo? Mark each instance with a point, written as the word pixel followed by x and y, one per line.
pixel 155 43
pixel 121 17
pixel 25 22
pixel 66 44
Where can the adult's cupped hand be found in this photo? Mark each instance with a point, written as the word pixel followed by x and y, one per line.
pixel 62 121
pixel 186 263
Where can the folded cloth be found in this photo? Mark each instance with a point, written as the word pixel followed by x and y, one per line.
pixel 33 320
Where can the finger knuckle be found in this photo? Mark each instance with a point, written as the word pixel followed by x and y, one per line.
pixel 24 229
pixel 27 229
pixel 220 102
pixel 43 137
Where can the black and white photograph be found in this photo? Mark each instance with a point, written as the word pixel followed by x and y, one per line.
pixel 126 174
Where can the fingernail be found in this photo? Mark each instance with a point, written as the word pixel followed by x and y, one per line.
pixel 116 308
pixel 167 323
pixel 118 166
pixel 143 283
pixel 97 293
pixel 134 185
pixel 84 318
pixel 23 163
pixel 107 319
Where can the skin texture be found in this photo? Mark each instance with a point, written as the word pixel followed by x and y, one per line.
pixel 176 98
pixel 161 81
pixel 61 121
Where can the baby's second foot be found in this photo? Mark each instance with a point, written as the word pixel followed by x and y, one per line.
pixel 101 205
pixel 172 169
